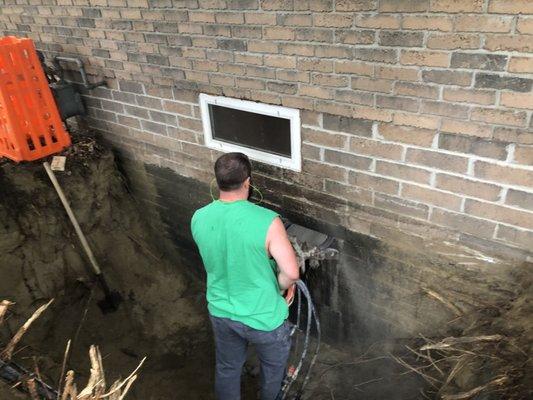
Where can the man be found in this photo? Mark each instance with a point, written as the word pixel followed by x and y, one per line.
pixel 241 243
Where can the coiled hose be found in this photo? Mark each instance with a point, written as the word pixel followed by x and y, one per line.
pixel 292 376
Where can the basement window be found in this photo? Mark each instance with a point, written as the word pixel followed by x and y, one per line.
pixel 263 132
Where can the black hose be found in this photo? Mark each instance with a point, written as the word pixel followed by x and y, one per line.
pixel 13 374
pixel 315 355
pixel 311 313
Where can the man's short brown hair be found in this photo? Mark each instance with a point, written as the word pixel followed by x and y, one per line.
pixel 231 170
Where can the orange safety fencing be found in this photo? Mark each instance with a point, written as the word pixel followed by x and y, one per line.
pixel 30 125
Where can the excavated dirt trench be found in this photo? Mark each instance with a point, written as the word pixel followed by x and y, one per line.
pixel 163 315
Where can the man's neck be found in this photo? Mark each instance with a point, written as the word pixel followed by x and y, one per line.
pixel 234 195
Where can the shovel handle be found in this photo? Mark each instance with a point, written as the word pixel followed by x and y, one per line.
pixel 73 219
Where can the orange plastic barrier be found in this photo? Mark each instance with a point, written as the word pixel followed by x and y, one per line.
pixel 30 125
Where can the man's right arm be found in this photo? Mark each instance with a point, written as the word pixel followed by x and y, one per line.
pixel 280 248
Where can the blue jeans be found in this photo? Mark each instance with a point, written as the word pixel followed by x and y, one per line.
pixel 231 340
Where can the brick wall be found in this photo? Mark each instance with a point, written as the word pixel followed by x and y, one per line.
pixel 416 115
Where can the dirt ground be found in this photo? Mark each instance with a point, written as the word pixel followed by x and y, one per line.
pixel 163 315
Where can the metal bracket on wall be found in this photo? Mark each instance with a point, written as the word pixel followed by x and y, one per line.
pixel 81 69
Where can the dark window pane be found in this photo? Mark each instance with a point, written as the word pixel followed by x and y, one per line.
pixel 256 131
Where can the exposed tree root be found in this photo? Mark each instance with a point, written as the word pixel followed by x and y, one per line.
pixel 32 383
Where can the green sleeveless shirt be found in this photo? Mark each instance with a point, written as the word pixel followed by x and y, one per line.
pixel 242 280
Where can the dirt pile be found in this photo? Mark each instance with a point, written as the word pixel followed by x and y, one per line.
pixel 163 313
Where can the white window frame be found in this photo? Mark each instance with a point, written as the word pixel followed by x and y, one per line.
pixel 293 115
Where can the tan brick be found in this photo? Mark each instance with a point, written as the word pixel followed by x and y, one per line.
pixel 517 236
pixel 379 21
pixel 373 85
pixel 486 97
pixel 500 117
pixel 249 83
pixel 466 128
pixel 334 51
pixel 347 160
pixel 454 41
pixel 314 91
pixel 375 148
pixel 232 69
pixel 310 152
pixel 297 49
pixel 397 73
pixel 201 16
pixel 355 5
pixel 351 36
pixel 424 58
pixel 431 196
pixel 260 18
pixel 295 20
pixel 280 61
pixel 456 6
pixel 277 5
pixel 293 76
pixel 502 174
pixel 205 65
pixel 372 113
pixel 310 118
pixel 463 223
pixel 262 47
pixel 444 109
pixel 322 138
pixel 446 162
pixel 517 100
pixel 520 199
pixel 329 80
pixel 251 59
pixel 403 5
pixel 407 134
pixel 483 23
pixel 197 76
pixel 177 108
pixel 223 80
pixel 397 103
pixel 311 64
pixel 403 172
pixel 354 67
pixel 499 213
pixel 264 97
pixel 333 20
pixel 521 64
pixel 419 121
pixel 322 170
pixel 448 77
pixel 522 136
pixel 229 18
pixel 279 33
pixel 525 25
pixel 508 43
pixel 524 155
pixel 332 107
pixel 468 187
pixel 511 6
pixel 375 183
pixel 431 23
pixel 314 34
pixel 416 90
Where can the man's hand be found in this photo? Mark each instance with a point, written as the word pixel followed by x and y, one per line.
pixel 279 247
